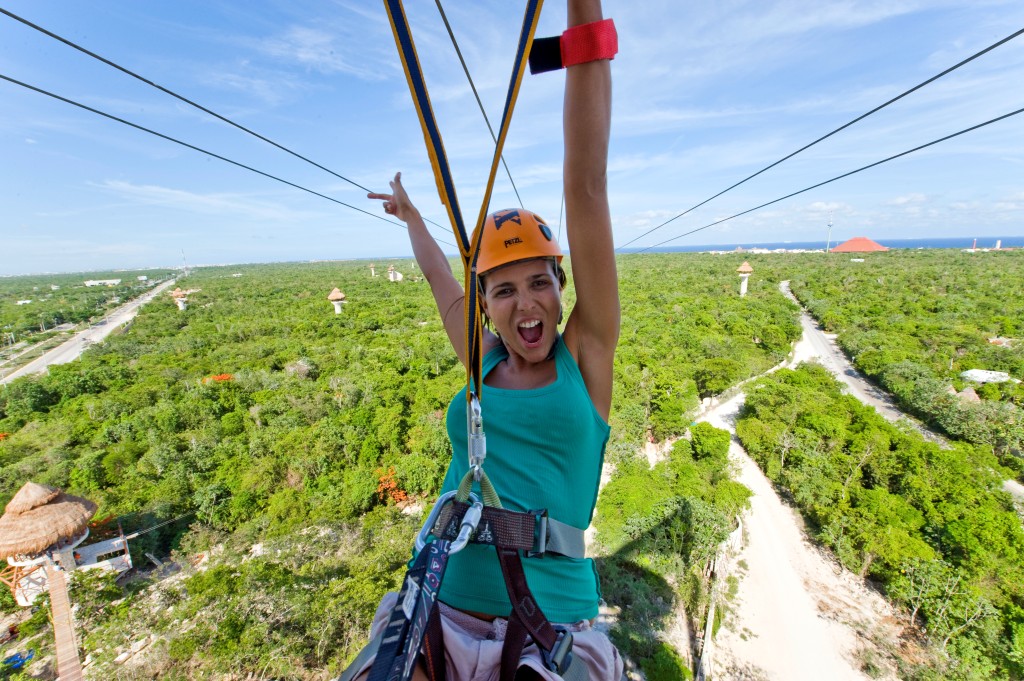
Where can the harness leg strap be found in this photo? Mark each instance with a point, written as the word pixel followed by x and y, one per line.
pixel 433 647
pixel 528 619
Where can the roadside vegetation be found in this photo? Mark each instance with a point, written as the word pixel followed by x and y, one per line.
pixel 930 525
pixel 913 321
pixel 32 307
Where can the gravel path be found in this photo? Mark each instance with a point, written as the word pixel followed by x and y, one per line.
pixel 797 613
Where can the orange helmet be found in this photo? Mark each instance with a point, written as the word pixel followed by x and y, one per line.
pixel 515 234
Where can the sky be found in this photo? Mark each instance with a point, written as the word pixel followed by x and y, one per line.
pixel 705 94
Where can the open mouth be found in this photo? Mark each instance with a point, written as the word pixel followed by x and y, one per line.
pixel 531 331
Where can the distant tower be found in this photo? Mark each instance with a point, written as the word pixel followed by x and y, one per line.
pixel 180 298
pixel 393 274
pixel 372 273
pixel 744 271
pixel 999 244
pixel 338 298
pixel 828 245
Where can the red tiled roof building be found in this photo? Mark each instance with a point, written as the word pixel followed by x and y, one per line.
pixel 859 244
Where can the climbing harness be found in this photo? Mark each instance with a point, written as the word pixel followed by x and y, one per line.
pixel 460 517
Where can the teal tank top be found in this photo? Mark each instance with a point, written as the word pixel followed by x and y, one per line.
pixel 545 449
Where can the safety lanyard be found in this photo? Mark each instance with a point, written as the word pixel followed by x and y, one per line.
pixel 403 635
pixel 468 247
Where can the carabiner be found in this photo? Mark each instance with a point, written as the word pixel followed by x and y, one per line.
pixel 469 523
pixel 477 439
pixel 428 525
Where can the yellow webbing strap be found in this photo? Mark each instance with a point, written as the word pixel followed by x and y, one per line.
pixel 468 248
pixel 442 174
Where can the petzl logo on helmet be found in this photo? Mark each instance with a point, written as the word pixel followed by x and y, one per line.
pixel 513 241
pixel 501 218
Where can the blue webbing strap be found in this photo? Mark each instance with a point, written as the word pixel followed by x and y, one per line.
pixel 403 635
pixel 468 247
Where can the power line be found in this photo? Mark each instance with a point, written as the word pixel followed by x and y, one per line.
pixel 200 150
pixel 838 177
pixel 188 101
pixel 475 94
pixel 824 137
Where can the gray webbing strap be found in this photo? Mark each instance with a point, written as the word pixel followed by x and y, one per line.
pixel 566 539
pixel 534 533
pixel 577 670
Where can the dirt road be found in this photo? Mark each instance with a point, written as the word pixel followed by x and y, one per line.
pixel 71 349
pixel 822 347
pixel 796 614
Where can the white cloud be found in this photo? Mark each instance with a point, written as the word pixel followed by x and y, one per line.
pixel 320 50
pixel 206 204
pixel 907 200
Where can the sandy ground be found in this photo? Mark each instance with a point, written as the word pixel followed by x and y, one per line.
pixel 797 614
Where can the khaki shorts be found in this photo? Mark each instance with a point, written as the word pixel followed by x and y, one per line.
pixel 473 646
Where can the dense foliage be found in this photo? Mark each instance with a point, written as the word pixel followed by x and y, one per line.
pixel 659 530
pixel 270 419
pixel 931 524
pixel 686 335
pixel 914 320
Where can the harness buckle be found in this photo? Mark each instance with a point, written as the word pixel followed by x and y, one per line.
pixel 560 656
pixel 540 533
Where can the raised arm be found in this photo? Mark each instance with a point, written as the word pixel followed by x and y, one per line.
pixel 448 294
pixel 592 330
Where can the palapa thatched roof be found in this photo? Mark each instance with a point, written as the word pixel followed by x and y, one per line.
pixel 38 517
pixel 336 294
pixel 745 268
pixel 30 496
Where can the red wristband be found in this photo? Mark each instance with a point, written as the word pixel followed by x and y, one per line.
pixel 589 42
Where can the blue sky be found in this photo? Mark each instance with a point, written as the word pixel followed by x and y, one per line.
pixel 705 94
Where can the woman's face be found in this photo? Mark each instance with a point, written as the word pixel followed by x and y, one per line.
pixel 523 301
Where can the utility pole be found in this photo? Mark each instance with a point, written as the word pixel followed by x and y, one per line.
pixel 184 264
pixel 828 245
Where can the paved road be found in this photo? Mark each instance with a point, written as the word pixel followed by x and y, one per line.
pixel 823 347
pixel 71 349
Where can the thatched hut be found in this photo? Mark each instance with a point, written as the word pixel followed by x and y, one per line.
pixel 40 525
pixel 40 517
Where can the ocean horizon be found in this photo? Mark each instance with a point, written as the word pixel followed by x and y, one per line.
pixel 988 242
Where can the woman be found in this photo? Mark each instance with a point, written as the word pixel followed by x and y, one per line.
pixel 546 396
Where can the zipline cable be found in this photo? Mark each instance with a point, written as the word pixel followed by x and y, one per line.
pixel 188 101
pixel 838 177
pixel 475 94
pixel 199 149
pixel 139 533
pixel 824 137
